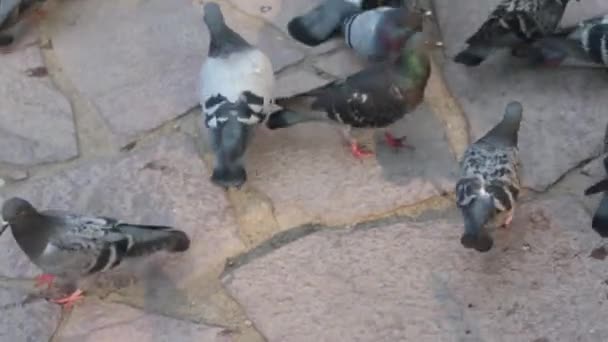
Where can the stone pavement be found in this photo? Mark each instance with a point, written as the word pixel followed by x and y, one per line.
pixel 317 246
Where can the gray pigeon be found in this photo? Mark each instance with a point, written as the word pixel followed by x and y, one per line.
pixel 513 24
pixel 375 97
pixel 323 22
pixel 71 246
pixel 584 44
pixel 236 86
pixel 600 218
pixel 15 15
pixel 381 33
pixel 489 182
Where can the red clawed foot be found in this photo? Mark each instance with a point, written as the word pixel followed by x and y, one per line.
pixel 359 151
pixel 69 301
pixel 397 142
pixel 45 279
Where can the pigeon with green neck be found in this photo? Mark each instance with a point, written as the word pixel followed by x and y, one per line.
pixel 375 97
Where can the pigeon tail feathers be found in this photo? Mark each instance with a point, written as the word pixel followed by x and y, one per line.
pixel 506 132
pixel 285 118
pixel 150 239
pixel 600 218
pixel 598 187
pixel 322 22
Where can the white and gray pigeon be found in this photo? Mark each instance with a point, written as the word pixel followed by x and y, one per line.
pixel 583 45
pixel 71 246
pixel 236 87
pixel 375 97
pixel 489 181
pixel 513 24
pixel 380 33
pixel 323 22
pixel 15 15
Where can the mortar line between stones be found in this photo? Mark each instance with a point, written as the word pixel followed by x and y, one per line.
pixel 291 235
pixel 565 175
pixel 63 321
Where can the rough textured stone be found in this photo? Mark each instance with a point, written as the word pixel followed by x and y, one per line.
pixel 414 282
pixel 101 322
pixel 310 175
pixel 564 116
pixel 165 184
pixel 297 82
pixel 141 71
pixel 35 118
pixel 340 64
pixel 31 322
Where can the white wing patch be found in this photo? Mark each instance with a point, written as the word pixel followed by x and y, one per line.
pixel 230 77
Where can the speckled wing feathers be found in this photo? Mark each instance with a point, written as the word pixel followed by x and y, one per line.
pixel 528 19
pixel 487 169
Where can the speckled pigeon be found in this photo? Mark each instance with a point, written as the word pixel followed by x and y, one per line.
pixel 236 86
pixel 15 15
pixel 489 181
pixel 372 98
pixel 380 33
pixel 71 246
pixel 600 218
pixel 323 22
pixel 513 24
pixel 584 44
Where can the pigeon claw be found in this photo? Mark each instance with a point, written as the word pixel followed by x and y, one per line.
pixel 359 151
pixel 68 302
pixel 397 142
pixel 45 279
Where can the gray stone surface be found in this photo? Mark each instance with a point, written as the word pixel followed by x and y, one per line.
pixel 340 64
pixel 141 71
pixel 36 124
pixel 165 183
pixel 414 282
pixel 31 322
pixel 101 322
pixel 565 114
pixel 289 165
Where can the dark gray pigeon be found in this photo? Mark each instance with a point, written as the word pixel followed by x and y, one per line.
pixel 583 45
pixel 323 22
pixel 489 180
pixel 236 86
pixel 15 16
pixel 372 98
pixel 513 24
pixel 600 218
pixel 381 33
pixel 71 246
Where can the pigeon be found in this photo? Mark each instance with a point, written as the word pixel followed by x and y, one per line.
pixel 584 44
pixel 380 33
pixel 236 86
pixel 323 22
pixel 600 218
pixel 15 16
pixel 71 246
pixel 372 98
pixel 489 183
pixel 513 24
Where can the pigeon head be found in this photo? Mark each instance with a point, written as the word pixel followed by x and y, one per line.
pixel 476 215
pixel 213 17
pixel 230 138
pixel 16 208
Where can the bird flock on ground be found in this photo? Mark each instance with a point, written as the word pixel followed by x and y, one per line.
pixel 236 93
